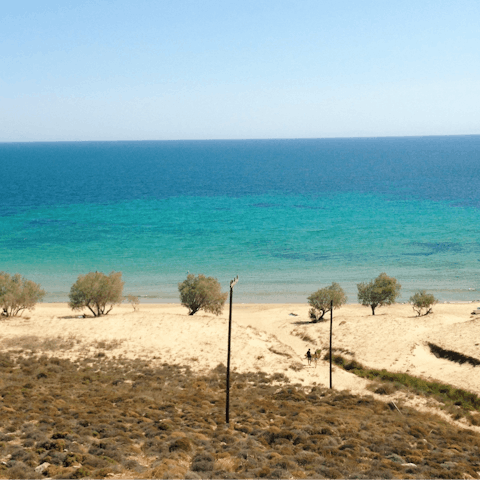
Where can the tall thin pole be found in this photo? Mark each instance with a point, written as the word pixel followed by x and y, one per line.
pixel 331 328
pixel 227 403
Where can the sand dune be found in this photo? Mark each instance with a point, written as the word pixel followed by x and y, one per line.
pixel 265 337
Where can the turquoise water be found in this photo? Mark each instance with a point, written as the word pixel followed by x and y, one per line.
pixel 155 210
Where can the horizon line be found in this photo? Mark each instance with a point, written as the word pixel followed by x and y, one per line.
pixel 244 139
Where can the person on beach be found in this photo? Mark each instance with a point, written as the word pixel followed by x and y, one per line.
pixel 309 357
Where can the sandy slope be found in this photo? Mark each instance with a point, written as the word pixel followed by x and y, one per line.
pixel 265 337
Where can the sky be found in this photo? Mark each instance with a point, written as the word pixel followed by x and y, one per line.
pixel 224 69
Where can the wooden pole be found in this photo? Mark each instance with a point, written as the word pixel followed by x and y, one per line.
pixel 227 403
pixel 331 328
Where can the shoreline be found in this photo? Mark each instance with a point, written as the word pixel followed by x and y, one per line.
pixel 249 294
pixel 445 302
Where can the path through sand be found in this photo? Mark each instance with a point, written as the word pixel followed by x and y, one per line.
pixel 270 337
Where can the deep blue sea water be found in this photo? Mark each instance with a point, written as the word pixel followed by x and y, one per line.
pixel 287 216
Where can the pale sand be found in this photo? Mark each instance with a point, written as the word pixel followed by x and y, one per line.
pixel 265 337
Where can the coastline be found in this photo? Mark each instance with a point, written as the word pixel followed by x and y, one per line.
pixel 312 214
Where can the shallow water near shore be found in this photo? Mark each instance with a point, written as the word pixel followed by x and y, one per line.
pixel 287 216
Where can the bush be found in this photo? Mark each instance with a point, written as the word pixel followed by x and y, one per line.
pixel 202 293
pixel 203 462
pixel 133 301
pixel 18 294
pixel 321 300
pixel 182 443
pixel 423 302
pixel 95 290
pixel 384 290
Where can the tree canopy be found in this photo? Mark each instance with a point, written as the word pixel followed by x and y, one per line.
pixel 202 293
pixel 18 294
pixel 96 291
pixel 383 290
pixel 422 302
pixel 321 300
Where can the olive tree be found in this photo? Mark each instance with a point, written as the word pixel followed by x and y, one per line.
pixel 96 291
pixel 384 290
pixel 423 302
pixel 202 293
pixel 18 294
pixel 322 299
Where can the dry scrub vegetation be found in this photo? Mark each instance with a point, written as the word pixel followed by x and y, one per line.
pixel 112 417
pixel 459 403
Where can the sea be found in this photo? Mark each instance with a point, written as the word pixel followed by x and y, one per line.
pixel 287 216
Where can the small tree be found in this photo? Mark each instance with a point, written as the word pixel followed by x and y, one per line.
pixel 133 301
pixel 321 300
pixel 18 294
pixel 384 290
pixel 202 293
pixel 423 301
pixel 96 291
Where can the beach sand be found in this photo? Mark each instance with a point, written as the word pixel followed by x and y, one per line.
pixel 272 338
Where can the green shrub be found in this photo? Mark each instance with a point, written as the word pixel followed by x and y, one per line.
pixel 383 290
pixel 18 294
pixel 202 293
pixel 447 394
pixel 96 291
pixel 422 302
pixel 322 299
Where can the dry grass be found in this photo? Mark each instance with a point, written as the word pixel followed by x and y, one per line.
pixel 35 344
pixel 108 344
pixel 304 335
pixel 121 418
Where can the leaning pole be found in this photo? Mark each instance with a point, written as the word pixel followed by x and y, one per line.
pixel 331 328
pixel 227 403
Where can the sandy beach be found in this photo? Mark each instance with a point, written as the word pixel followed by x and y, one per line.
pixel 265 337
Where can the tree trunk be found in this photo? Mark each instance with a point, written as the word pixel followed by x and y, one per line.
pixel 373 309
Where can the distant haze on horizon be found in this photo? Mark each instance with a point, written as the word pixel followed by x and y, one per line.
pixel 188 70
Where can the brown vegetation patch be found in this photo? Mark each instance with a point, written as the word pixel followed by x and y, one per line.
pixel 104 418
pixel 33 343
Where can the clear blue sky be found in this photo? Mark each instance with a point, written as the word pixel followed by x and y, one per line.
pixel 208 69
